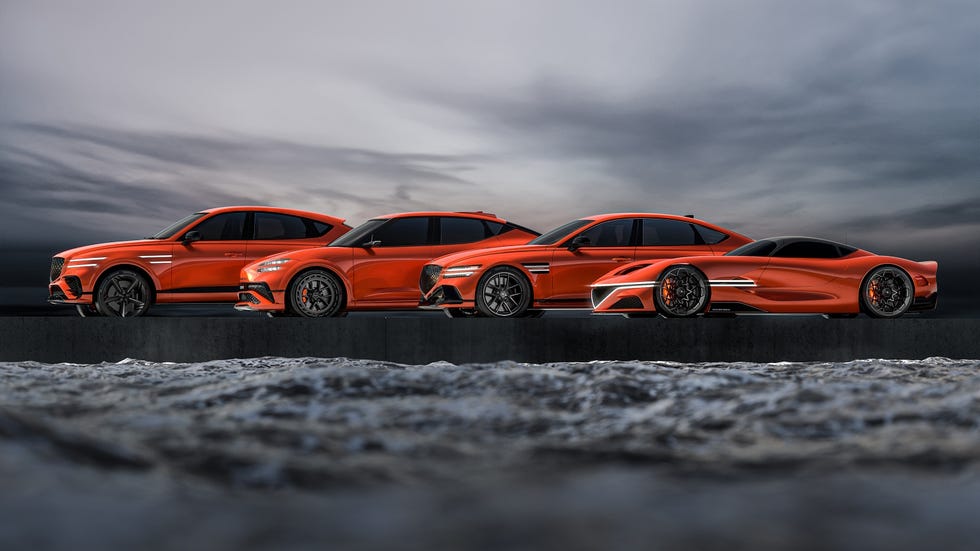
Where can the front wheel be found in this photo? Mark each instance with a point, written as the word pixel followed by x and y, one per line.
pixel 683 292
pixel 886 292
pixel 123 294
pixel 87 310
pixel 503 293
pixel 316 294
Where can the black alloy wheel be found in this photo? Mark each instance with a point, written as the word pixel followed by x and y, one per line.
pixel 503 293
pixel 123 294
pixel 682 292
pixel 316 294
pixel 886 292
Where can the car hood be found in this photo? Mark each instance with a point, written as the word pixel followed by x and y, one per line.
pixel 100 248
pixel 486 255
pixel 316 253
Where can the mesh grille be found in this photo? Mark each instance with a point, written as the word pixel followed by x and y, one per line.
pixel 57 263
pixel 430 274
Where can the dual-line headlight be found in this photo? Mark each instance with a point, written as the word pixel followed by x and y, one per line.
pixel 460 271
pixel 272 265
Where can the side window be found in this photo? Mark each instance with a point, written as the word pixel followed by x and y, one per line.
pixel 493 228
pixel 223 227
pixel 403 232
pixel 808 249
pixel 664 232
pixel 614 233
pixel 710 236
pixel 270 225
pixel 461 230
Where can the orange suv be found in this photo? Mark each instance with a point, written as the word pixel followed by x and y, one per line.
pixel 196 259
pixel 374 267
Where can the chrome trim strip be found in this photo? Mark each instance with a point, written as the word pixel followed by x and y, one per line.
pixel 156 256
pixel 81 265
pixel 161 262
pixel 86 259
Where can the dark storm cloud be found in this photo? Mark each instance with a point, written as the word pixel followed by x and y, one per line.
pixel 160 176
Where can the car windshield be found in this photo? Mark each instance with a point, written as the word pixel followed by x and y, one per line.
pixel 356 236
pixel 172 229
pixel 763 247
pixel 557 234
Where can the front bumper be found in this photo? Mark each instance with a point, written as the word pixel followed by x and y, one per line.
pixel 442 296
pixel 67 289
pixel 258 297
pixel 626 299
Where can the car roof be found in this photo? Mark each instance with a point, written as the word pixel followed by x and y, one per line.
pixel 787 239
pixel 294 212
pixel 617 215
pixel 459 214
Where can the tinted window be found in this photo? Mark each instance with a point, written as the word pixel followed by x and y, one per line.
pixel 461 230
pixel 558 233
pixel 222 227
pixel 403 232
pixel 357 236
pixel 270 225
pixel 808 249
pixel 709 235
pixel 493 228
pixel 614 233
pixel 172 229
pixel 755 248
pixel 664 232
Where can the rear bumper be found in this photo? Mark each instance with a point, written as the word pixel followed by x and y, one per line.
pixel 924 303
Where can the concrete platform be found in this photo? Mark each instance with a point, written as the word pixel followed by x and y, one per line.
pixel 427 339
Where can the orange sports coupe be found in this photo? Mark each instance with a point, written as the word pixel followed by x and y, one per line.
pixel 555 270
pixel 775 275
pixel 374 267
pixel 197 259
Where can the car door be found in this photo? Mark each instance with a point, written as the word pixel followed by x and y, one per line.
pixel 213 263
pixel 802 271
pixel 610 244
pixel 273 233
pixel 386 269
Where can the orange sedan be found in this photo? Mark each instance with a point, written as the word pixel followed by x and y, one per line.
pixel 555 270
pixel 374 267
pixel 800 275
pixel 196 259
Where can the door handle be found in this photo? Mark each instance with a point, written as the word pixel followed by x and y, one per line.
pixel 234 255
pixel 621 259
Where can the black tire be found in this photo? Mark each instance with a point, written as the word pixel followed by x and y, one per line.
pixel 462 312
pixel 317 294
pixel 87 310
pixel 503 292
pixel 886 292
pixel 682 292
pixel 123 294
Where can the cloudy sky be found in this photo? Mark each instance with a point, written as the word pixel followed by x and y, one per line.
pixel 855 121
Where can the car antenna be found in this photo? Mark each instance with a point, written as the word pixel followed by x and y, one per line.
pixel 688 216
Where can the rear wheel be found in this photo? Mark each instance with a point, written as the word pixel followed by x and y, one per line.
pixel 316 294
pixel 123 294
pixel 682 292
pixel 886 292
pixel 503 293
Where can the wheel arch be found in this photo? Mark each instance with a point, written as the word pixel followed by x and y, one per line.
pixel 109 270
pixel 508 265
pixel 323 268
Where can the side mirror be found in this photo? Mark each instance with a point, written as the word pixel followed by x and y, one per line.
pixel 370 244
pixel 191 236
pixel 578 242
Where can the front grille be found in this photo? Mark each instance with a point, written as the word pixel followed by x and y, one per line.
pixel 57 263
pixel 429 277
pixel 248 297
pixel 74 285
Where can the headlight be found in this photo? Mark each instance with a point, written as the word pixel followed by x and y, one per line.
pixel 460 271
pixel 272 265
